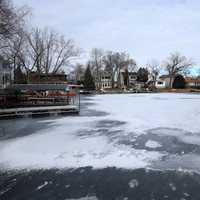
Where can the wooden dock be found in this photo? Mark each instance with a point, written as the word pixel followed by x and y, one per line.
pixel 32 100
pixel 38 111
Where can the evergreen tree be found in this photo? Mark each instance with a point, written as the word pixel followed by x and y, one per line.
pixel 179 82
pixel 88 79
pixel 142 75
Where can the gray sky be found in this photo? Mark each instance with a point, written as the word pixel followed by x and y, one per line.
pixel 147 29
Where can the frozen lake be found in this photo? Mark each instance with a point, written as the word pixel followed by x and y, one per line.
pixel 151 135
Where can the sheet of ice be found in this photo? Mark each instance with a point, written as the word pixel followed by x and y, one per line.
pixel 186 162
pixel 59 148
pixel 148 111
pixel 60 145
pixel 183 136
pixel 152 144
pixel 133 183
pixel 85 198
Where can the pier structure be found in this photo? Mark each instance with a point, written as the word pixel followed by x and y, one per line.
pixel 22 100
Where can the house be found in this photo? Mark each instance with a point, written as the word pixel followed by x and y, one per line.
pixel 132 79
pixel 106 80
pixel 166 80
pixel 5 73
pixel 192 82
pixel 160 84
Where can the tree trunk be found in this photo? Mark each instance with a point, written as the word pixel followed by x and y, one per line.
pixel 171 81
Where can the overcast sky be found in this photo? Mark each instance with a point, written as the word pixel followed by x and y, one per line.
pixel 147 29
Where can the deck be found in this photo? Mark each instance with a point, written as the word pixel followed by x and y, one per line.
pixel 38 111
pixel 29 100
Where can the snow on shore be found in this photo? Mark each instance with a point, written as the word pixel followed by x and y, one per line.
pixel 60 146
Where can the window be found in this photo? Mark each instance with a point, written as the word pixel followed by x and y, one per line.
pixel 160 83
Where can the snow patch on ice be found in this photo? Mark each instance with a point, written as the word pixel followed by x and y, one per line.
pixel 172 186
pixel 152 144
pixel 133 183
pixel 51 150
pixel 42 186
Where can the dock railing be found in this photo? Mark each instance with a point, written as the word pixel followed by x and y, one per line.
pixel 51 97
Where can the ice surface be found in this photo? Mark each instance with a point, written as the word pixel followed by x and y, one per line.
pixel 62 149
pixel 60 145
pixel 148 111
pixel 85 198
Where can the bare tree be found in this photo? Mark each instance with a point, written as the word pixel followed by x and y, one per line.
pixel 116 62
pixel 132 65
pixel 96 63
pixel 122 62
pixel 12 32
pixel 66 52
pixel 48 52
pixel 154 69
pixel 16 53
pixel 12 20
pixel 79 72
pixel 35 51
pixel 176 64
pixel 108 60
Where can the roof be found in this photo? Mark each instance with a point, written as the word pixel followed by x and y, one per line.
pixel 49 74
pixel 164 77
pixel 133 73
pixel 39 87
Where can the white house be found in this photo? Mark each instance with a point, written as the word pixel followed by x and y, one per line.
pixel 106 80
pixel 160 84
pixel 166 79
